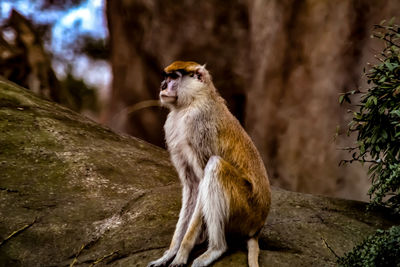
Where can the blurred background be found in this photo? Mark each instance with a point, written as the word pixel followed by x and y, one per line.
pixel 280 64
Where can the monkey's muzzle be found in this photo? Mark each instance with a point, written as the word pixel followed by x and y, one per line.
pixel 168 96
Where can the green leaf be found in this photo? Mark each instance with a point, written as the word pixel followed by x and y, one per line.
pixel 395 113
pixel 341 98
pixel 389 65
pixel 396 91
pixel 375 100
pixel 384 134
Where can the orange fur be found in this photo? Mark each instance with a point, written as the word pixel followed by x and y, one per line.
pixel 188 66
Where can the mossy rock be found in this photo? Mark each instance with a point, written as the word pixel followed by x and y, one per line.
pixel 74 192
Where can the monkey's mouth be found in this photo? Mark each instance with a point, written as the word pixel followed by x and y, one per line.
pixel 168 99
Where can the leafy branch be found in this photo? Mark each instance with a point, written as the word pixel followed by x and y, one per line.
pixel 377 121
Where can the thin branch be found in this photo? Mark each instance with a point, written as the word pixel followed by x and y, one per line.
pixel 378 58
pixel 387 40
pixel 103 258
pixel 17 232
pixel 77 255
pixel 330 249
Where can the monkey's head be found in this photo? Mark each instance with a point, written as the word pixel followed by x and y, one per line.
pixel 185 82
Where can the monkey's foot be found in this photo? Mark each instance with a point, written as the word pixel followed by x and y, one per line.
pixel 178 262
pixel 156 263
pixel 180 259
pixel 163 261
pixel 208 257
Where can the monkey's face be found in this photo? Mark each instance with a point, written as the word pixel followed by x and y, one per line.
pixel 169 88
pixel 180 87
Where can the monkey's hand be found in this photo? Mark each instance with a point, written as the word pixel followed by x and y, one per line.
pixel 164 260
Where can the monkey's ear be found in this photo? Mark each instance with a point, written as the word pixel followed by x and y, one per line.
pixel 201 73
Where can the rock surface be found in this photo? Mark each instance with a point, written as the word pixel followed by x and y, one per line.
pixel 73 193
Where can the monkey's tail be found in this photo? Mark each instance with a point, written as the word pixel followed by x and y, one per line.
pixel 254 250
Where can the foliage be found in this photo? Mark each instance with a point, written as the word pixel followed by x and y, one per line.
pixel 79 96
pixel 377 123
pixel 95 48
pixel 379 249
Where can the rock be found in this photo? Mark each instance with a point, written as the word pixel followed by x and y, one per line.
pixel 75 193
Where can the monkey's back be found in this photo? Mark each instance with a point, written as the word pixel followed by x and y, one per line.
pixel 237 148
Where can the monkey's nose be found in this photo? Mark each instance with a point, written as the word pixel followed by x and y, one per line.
pixel 163 86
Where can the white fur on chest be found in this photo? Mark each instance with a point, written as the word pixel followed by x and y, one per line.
pixel 177 135
pixel 176 130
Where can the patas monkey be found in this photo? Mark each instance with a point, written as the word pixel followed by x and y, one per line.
pixel 225 184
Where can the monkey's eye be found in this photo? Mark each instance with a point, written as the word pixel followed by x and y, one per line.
pixel 173 75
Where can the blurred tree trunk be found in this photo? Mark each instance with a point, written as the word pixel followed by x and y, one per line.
pixel 24 60
pixel 304 54
pixel 279 64
pixel 134 75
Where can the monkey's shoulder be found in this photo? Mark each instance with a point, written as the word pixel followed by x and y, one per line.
pixel 193 117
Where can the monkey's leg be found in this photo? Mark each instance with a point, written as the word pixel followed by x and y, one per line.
pixel 192 234
pixel 212 206
pixel 215 208
pixel 254 250
pixel 224 194
pixel 202 236
pixel 189 197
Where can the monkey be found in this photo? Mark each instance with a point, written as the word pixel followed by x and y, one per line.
pixel 225 187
